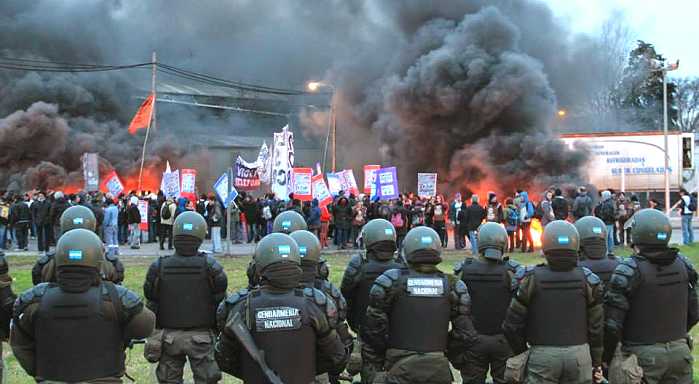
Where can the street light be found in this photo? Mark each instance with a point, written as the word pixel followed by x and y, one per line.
pixel 665 70
pixel 314 86
pixel 562 113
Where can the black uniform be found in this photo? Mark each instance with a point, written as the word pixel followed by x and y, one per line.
pixel 650 307
pixel 65 336
pixel 491 285
pixel 184 292
pixel 407 330
pixel 295 328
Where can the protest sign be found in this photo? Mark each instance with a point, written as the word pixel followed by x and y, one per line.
pixel 320 191
pixel 222 189
pixel 282 162
pixel 112 184
pixel 246 175
pixel 91 172
pixel 349 184
pixel 387 183
pixel 143 210
pixel 370 176
pixel 334 183
pixel 302 184
pixel 426 184
pixel 188 187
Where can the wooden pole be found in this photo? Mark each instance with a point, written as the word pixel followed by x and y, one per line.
pixel 152 122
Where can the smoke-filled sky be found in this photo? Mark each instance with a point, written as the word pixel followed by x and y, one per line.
pixel 463 87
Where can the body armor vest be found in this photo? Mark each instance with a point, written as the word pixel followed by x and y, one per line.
pixel 489 286
pixel 75 341
pixel 184 291
pixel 558 310
pixel 658 312
pixel 281 326
pixel 603 268
pixel 370 271
pixel 419 319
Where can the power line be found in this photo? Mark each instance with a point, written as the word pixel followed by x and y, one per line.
pixel 19 64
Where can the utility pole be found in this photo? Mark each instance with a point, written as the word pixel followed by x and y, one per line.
pixel 153 119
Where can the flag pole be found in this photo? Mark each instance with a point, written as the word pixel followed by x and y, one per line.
pixel 152 121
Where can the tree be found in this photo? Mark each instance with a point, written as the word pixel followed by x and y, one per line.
pixel 688 104
pixel 640 93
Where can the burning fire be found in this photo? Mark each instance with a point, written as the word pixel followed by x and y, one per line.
pixel 150 181
pixel 536 231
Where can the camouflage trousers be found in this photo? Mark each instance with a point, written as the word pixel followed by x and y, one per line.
pixel 197 347
pixel 664 363
pixel 569 365
pixel 490 353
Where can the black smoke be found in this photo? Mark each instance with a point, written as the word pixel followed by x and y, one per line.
pixel 464 87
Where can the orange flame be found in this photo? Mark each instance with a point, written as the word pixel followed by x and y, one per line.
pixel 536 231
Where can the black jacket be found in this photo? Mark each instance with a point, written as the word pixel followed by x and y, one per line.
pixel 471 217
pixel 559 204
pixel 41 212
pixel 57 208
pixel 133 215
pixel 20 213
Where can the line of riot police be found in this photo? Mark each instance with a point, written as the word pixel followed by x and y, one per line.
pixel 581 311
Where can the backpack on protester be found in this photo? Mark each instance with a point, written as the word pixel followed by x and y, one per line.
pixel 397 220
pixel 490 216
pixel 606 211
pixel 267 212
pixel 165 212
pixel 512 217
pixel 539 211
pixel 438 213
pixel 692 203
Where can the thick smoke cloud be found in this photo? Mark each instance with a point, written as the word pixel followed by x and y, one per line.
pixel 465 87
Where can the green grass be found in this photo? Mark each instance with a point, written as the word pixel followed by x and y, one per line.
pixel 143 372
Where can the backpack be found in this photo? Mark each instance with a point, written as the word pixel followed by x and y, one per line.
pixel 512 217
pixel 605 211
pixel 692 203
pixel 438 213
pixel 539 211
pixel 397 220
pixel 165 213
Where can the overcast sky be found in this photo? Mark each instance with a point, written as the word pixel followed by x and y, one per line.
pixel 671 25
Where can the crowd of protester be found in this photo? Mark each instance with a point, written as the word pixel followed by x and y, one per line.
pixel 248 219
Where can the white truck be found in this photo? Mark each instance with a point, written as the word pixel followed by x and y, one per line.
pixel 634 161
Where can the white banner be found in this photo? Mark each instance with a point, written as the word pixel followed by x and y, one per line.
pixel 334 183
pixel 263 163
pixel 282 162
pixel 171 183
pixel 426 184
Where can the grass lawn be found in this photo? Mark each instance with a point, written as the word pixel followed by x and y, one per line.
pixel 143 372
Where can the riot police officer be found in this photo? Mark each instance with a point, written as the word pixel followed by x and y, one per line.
pixel 77 216
pixel 557 310
pixel 407 328
pixel 594 254
pixel 490 279
pixel 294 326
pixel 184 290
pixel 76 329
pixel 7 298
pixel 651 303
pixel 309 250
pixel 288 222
pixel 379 239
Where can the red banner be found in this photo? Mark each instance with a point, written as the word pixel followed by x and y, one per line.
pixel 188 180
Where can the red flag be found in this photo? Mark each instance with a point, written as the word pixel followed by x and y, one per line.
pixel 143 116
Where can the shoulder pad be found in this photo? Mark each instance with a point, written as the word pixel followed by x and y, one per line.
pixel 33 294
pixel 111 258
pixel 591 278
pixel 522 272
pixel 329 288
pixel 627 267
pixel 45 258
pixel 356 261
pixel 387 278
pixel 317 295
pixel 129 299
pixel 237 297
pixel 460 287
